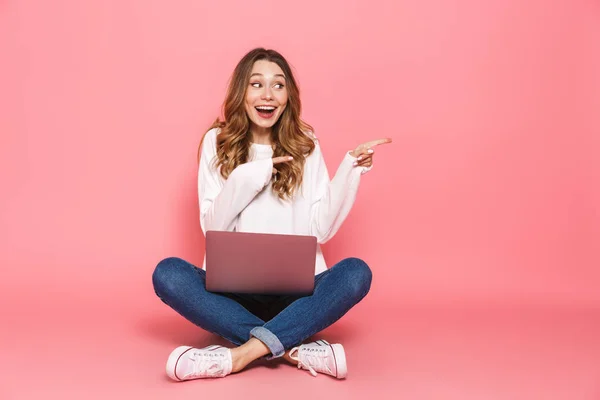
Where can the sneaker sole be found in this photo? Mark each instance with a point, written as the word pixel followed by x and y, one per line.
pixel 340 360
pixel 173 359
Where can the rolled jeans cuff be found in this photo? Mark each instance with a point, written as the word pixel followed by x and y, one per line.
pixel 270 340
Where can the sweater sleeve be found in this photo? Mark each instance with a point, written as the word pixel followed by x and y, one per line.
pixel 334 198
pixel 220 200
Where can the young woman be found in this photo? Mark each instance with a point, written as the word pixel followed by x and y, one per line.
pixel 262 170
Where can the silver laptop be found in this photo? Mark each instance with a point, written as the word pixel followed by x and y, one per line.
pixel 260 263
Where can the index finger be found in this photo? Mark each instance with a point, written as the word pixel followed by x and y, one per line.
pixel 277 160
pixel 377 142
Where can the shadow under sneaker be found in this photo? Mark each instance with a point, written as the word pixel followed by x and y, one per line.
pixel 187 363
pixel 320 356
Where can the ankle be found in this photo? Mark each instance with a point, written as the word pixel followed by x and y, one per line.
pixel 239 359
pixel 289 359
pixel 246 353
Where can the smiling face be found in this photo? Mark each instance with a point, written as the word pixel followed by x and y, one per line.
pixel 266 96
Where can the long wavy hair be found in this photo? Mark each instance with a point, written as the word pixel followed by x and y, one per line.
pixel 290 136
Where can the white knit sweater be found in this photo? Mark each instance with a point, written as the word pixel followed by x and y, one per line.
pixel 245 202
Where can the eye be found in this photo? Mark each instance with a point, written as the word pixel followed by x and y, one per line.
pixel 255 84
pixel 281 85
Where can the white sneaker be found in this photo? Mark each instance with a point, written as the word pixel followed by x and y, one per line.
pixel 187 363
pixel 320 356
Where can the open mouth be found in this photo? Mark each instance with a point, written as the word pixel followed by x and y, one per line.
pixel 265 111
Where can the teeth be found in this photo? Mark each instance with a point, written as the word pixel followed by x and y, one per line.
pixel 265 108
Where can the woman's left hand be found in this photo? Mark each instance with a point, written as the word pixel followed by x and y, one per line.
pixel 364 152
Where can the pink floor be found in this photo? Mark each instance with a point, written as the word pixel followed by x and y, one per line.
pixel 77 346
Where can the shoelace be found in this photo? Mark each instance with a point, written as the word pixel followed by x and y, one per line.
pixel 205 367
pixel 319 363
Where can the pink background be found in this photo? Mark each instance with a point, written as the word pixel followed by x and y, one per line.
pixel 489 195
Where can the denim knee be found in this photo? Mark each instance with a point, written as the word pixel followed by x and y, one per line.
pixel 358 276
pixel 166 275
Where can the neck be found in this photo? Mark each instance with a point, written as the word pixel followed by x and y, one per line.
pixel 261 135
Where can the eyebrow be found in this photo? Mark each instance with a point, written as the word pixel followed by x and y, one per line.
pixel 257 73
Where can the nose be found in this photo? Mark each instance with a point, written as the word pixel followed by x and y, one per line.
pixel 267 95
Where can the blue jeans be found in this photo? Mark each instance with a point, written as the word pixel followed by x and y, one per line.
pixel 280 322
